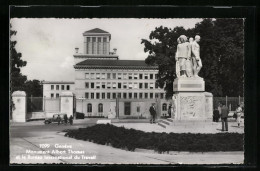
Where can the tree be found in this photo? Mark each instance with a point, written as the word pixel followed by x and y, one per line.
pixel 17 79
pixel 222 47
pixel 33 88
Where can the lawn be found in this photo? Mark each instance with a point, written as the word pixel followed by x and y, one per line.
pixel 130 139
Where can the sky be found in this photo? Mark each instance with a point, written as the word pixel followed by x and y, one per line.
pixel 48 44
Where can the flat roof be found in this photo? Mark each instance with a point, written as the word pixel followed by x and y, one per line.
pixel 58 82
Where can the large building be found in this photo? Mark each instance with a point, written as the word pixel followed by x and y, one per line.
pixel 105 84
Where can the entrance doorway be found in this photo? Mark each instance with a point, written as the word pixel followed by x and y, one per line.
pixel 127 108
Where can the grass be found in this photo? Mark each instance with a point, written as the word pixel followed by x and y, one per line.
pixel 130 139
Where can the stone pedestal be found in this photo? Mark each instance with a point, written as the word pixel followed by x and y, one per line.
pixel 192 102
pixel 19 110
pixel 66 103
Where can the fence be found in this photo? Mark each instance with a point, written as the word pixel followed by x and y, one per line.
pixel 34 104
pixel 231 102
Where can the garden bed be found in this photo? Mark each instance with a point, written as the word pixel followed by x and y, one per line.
pixel 130 139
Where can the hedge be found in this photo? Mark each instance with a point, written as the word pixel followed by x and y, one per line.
pixel 130 139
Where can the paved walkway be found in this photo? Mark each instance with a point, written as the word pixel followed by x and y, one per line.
pixel 102 154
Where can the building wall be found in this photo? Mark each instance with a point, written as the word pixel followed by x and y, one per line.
pixel 47 90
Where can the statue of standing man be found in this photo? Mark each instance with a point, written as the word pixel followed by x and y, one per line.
pixel 195 55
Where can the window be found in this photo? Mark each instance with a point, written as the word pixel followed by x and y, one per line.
pixel 119 85
pixel 135 85
pixel 140 76
pixel 125 76
pixel 103 95
pixel 125 85
pixel 92 85
pixel 97 75
pixel 124 95
pixel 52 95
pixel 140 85
pixel 103 76
pixel 89 108
pixel 119 95
pixel 100 108
pixel 98 85
pixel 119 76
pixel 156 85
pixel 138 109
pixel 98 96
pixel 146 76
pixel 93 39
pixel 161 95
pixel 68 87
pixel 151 76
pixel 114 85
pixel 92 95
pixel 156 76
pixel 108 85
pixel 57 95
pixel 145 85
pixel 88 39
pixel 104 39
pixel 87 75
pixel 108 75
pixel 108 96
pixel 130 95
pixel 151 85
pixel 86 95
pixel 103 85
pixel 135 95
pixel 86 85
pixel 130 76
pixel 114 95
pixel 156 95
pixel 99 39
pixel 62 87
pixel 92 75
pixel 146 95
pixel 114 75
pixel 140 95
pixel 151 95
pixel 135 76
pixel 57 87
pixel 130 85
pixel 164 107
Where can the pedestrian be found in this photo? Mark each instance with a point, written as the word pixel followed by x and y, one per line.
pixel 59 119
pixel 219 108
pixel 239 113
pixel 224 116
pixel 170 110
pixel 65 119
pixel 71 120
pixel 216 115
pixel 153 113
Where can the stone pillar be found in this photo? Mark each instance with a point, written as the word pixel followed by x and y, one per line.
pixel 66 103
pixel 19 110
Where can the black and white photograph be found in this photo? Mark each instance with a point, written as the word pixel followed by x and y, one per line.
pixel 166 91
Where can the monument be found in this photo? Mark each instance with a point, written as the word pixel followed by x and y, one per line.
pixel 192 102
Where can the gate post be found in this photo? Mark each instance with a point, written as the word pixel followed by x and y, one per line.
pixel 66 103
pixel 19 110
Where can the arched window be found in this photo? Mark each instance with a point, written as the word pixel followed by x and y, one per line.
pixel 100 108
pixel 89 108
pixel 164 107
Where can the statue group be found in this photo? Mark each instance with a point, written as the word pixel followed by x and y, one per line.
pixel 188 62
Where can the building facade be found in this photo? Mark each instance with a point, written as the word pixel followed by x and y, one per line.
pixel 53 89
pixel 105 85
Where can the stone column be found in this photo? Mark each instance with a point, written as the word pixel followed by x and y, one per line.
pixel 19 110
pixel 66 103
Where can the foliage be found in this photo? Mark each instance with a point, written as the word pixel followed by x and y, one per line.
pixel 222 53
pixel 33 88
pixel 130 139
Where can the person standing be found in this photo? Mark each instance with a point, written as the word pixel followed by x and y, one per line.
pixel 195 52
pixel 170 110
pixel 224 116
pixel 71 120
pixel 59 119
pixel 65 119
pixel 239 113
pixel 153 113
pixel 215 115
